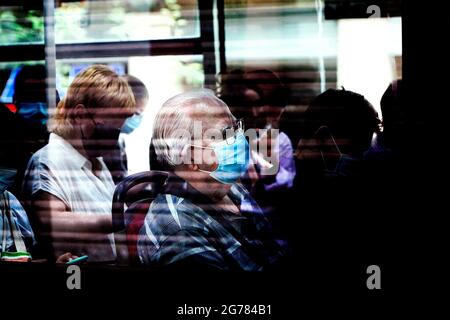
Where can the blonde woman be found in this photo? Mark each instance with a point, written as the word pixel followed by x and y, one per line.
pixel 67 185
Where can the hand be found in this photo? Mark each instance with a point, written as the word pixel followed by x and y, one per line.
pixel 66 257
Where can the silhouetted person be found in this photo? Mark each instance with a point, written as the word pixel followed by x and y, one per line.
pixel 389 163
pixel 30 96
pixel 24 132
pixel 337 220
pixel 336 129
pixel 391 140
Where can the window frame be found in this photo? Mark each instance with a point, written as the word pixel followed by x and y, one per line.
pixel 209 44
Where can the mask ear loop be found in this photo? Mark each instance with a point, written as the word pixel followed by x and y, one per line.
pixel 319 134
pixel 183 153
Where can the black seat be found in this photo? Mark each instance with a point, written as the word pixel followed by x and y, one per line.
pixel 131 202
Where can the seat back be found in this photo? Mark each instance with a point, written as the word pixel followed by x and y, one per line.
pixel 131 201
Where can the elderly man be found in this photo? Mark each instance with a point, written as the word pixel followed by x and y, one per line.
pixel 67 184
pixel 213 222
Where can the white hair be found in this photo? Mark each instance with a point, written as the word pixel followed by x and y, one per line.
pixel 174 125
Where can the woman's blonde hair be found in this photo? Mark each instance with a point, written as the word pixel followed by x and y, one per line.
pixel 95 87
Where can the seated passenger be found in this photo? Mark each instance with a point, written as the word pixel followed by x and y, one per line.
pixel 387 147
pixel 340 215
pixel 17 240
pixel 213 222
pixel 260 98
pixel 337 129
pixel 117 161
pixel 16 235
pixel 67 185
pixel 23 131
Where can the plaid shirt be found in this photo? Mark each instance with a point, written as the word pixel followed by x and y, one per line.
pixel 178 229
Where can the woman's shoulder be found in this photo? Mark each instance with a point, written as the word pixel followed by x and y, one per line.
pixel 40 159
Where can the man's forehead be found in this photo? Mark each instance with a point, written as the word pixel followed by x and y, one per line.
pixel 213 130
pixel 212 116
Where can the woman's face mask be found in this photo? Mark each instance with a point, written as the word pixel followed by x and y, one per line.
pixel 232 156
pixel 132 123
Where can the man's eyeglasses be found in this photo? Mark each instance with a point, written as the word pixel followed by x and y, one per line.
pixel 228 133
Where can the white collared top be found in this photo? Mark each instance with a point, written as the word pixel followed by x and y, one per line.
pixel 59 169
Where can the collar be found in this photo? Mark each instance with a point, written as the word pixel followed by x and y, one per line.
pixel 77 158
pixel 178 187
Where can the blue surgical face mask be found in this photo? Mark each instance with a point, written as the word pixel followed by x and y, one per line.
pixel 7 178
pixel 132 123
pixel 36 111
pixel 233 158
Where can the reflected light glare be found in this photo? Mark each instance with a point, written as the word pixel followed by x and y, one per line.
pixel 366 56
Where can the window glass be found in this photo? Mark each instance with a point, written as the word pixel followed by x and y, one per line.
pixel 316 44
pixel 8 73
pixel 116 20
pixel 164 77
pixel 21 26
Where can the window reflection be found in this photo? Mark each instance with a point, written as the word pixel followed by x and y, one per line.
pixel 163 76
pixel 112 20
pixel 316 44
pixel 21 26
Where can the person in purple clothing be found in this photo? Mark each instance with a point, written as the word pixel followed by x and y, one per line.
pixel 260 98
